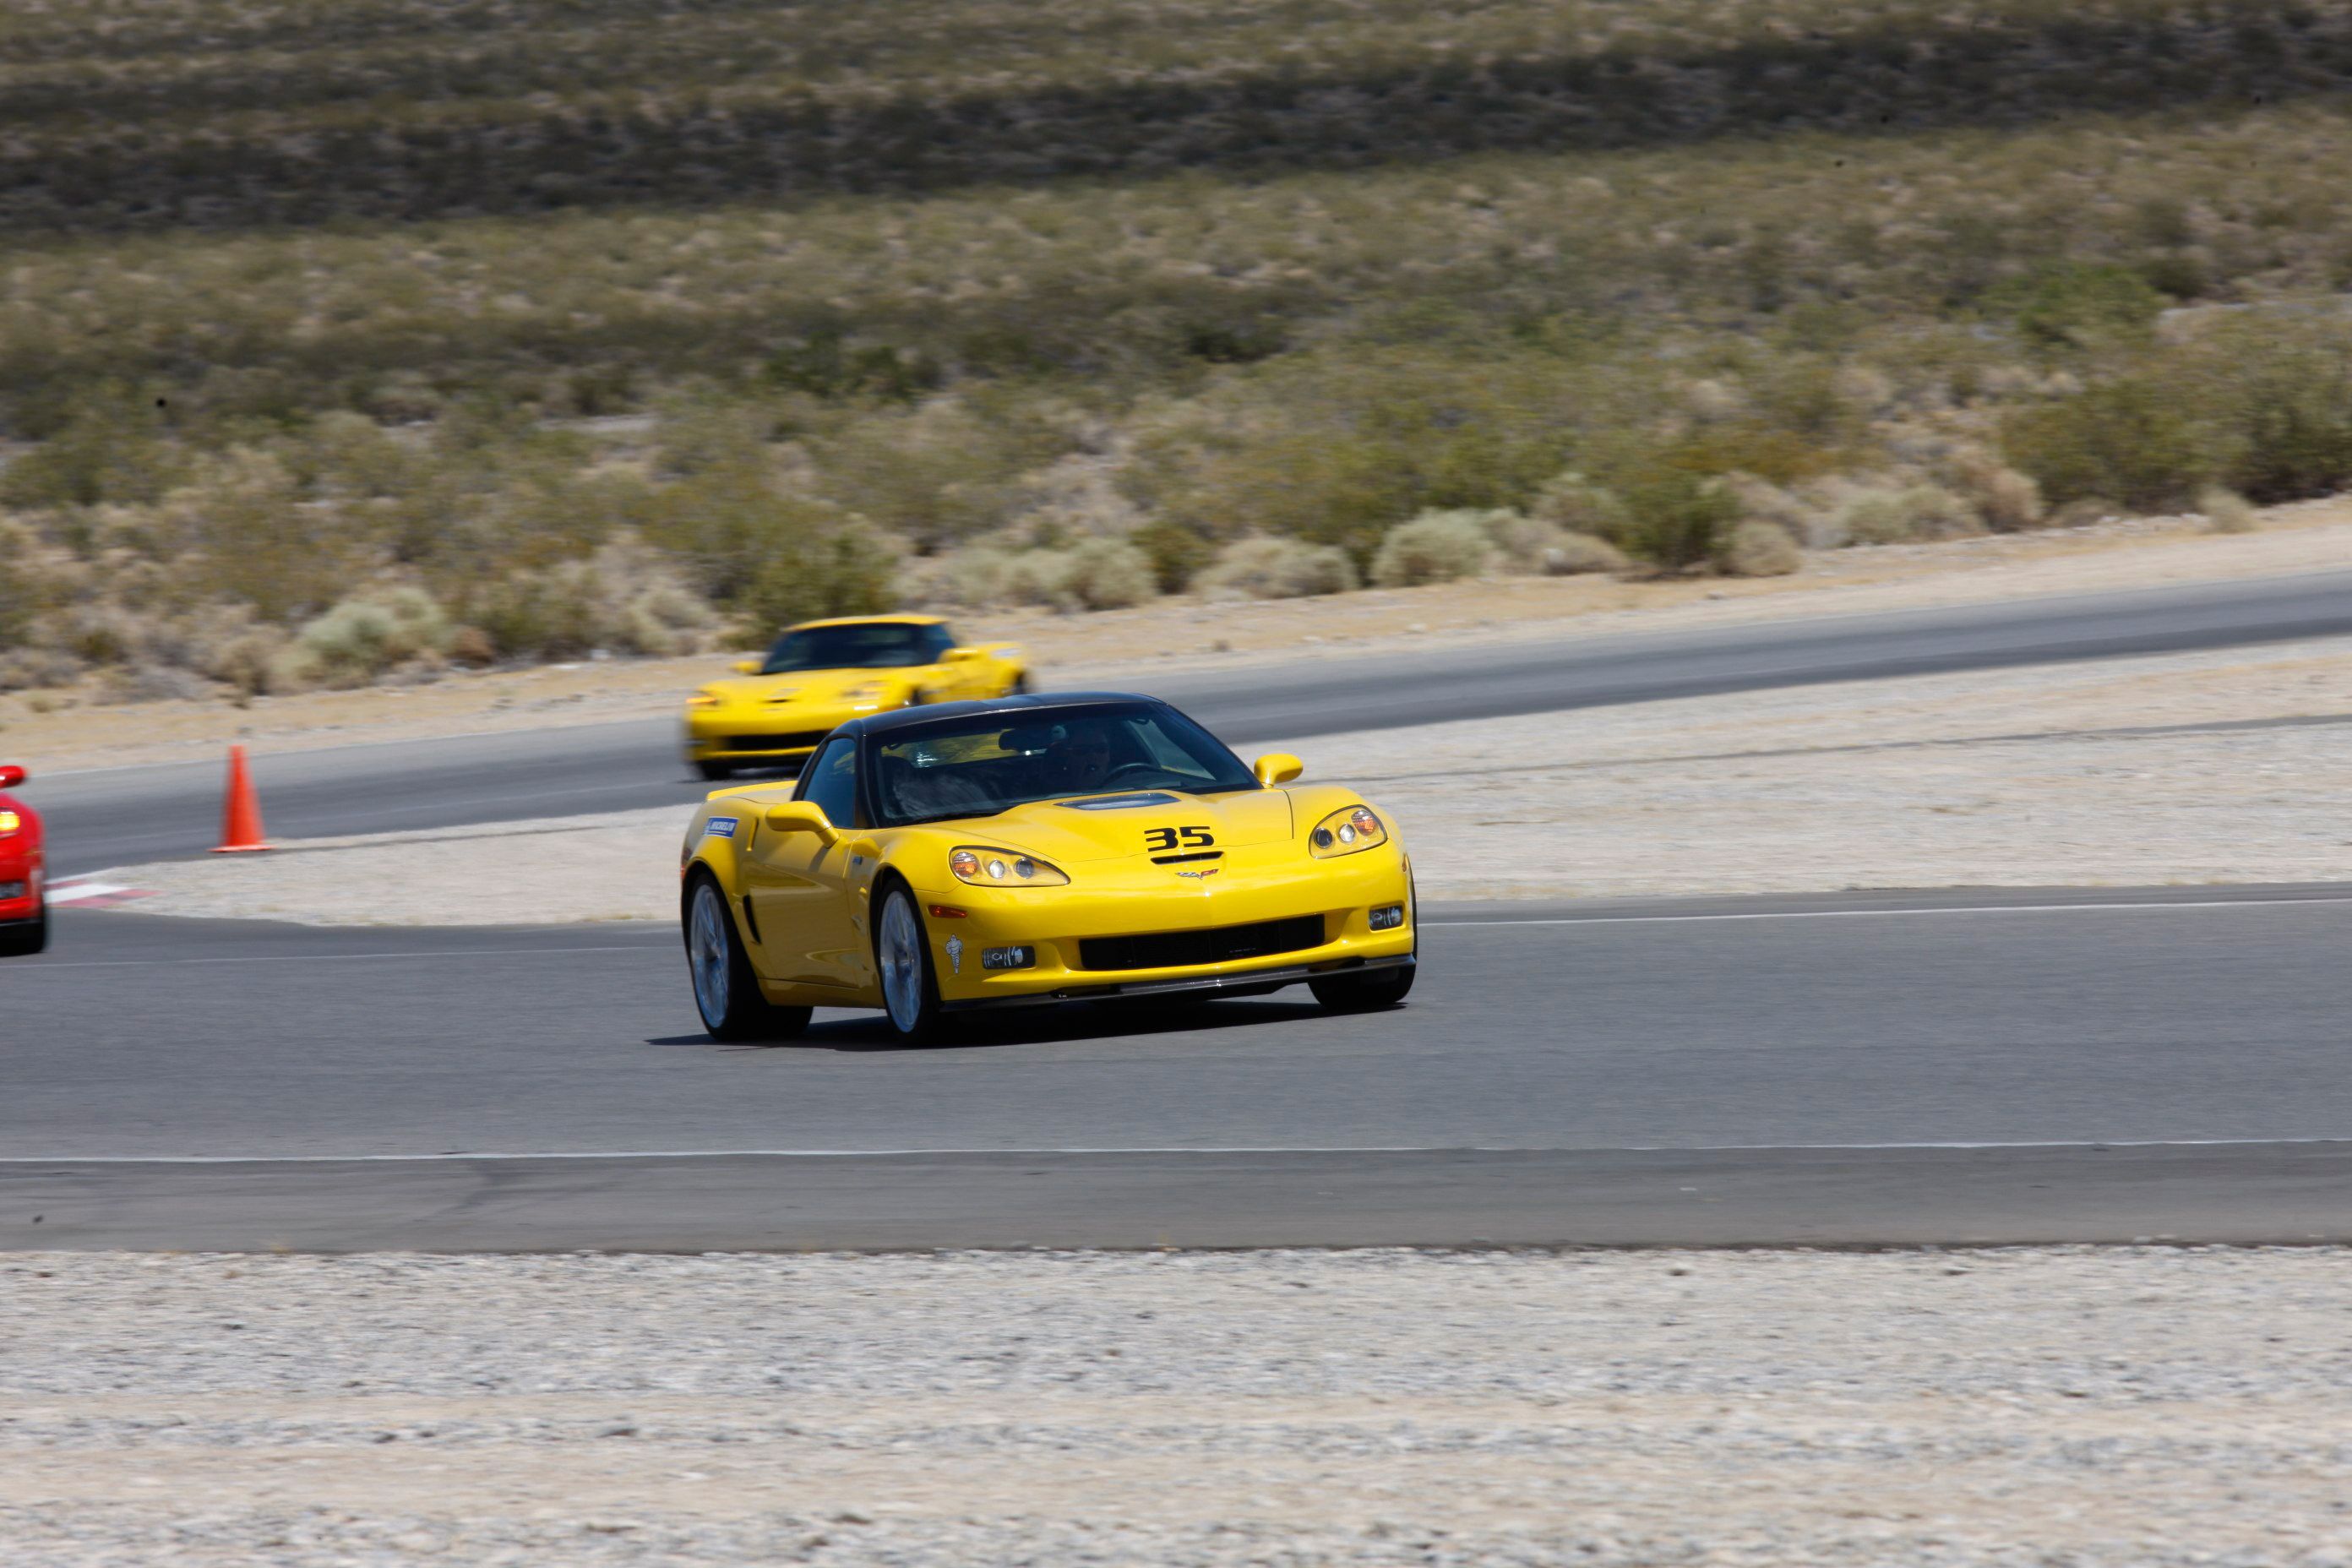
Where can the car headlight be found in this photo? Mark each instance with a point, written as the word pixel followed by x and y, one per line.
pixel 1346 831
pixel 1003 869
pixel 704 699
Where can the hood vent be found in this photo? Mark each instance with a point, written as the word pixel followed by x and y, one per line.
pixel 1121 802
pixel 1181 860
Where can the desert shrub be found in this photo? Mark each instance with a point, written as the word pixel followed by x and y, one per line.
pixel 1335 448
pixel 626 597
pixel 1757 549
pixel 112 449
pixel 850 569
pixel 2130 438
pixel 1900 514
pixel 1675 518
pixel 2080 306
pixel 150 683
pixel 936 474
pixel 1571 554
pixel 1520 542
pixel 641 605
pixel 2277 403
pixel 370 632
pixel 2227 511
pixel 1177 553
pixel 252 538
pixel 1571 501
pixel 224 643
pixel 2005 500
pixel 1435 547
pixel 1110 574
pixel 1264 567
pixel 36 576
pixel 1804 517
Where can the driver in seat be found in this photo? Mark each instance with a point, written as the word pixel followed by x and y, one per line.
pixel 1079 758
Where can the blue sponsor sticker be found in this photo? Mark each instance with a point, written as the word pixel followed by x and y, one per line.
pixel 719 827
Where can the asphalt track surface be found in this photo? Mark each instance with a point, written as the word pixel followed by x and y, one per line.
pixel 1959 1067
pixel 114 817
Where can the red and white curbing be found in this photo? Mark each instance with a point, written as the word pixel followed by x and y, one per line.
pixel 92 892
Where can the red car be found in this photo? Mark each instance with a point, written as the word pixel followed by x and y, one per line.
pixel 24 910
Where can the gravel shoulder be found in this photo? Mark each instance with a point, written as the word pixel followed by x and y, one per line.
pixel 2178 768
pixel 2124 1407
pixel 1125 648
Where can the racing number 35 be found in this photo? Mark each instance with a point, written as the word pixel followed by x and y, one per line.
pixel 1168 838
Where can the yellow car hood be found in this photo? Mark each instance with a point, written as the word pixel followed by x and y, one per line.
pixel 1109 827
pixel 816 687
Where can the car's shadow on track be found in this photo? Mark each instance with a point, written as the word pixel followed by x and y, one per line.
pixel 870 1035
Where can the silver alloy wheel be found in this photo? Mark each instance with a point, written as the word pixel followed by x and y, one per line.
pixel 707 955
pixel 902 962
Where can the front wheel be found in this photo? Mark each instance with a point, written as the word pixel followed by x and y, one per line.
pixel 902 958
pixel 24 940
pixel 1365 992
pixel 715 773
pixel 726 991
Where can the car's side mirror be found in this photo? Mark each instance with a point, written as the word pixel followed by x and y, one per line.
pixel 800 816
pixel 1278 768
pixel 747 667
pixel 11 776
pixel 959 655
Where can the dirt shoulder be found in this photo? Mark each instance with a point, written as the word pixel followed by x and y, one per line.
pixel 1132 647
pixel 2091 1408
pixel 2216 768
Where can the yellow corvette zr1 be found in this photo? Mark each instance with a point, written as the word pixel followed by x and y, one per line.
pixel 1035 849
pixel 823 673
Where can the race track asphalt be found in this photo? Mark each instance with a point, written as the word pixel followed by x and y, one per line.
pixel 113 817
pixel 1861 1070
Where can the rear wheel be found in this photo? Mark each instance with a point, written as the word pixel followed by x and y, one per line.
pixel 726 991
pixel 714 773
pixel 24 940
pixel 902 959
pixel 1366 991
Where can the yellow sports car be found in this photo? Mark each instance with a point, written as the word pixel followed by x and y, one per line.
pixel 824 673
pixel 1035 849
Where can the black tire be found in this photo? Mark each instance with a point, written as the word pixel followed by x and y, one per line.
pixel 24 940
pixel 715 773
pixel 925 1021
pixel 1019 686
pixel 726 991
pixel 1368 991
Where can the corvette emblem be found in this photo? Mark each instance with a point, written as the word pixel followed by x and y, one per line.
pixel 1197 876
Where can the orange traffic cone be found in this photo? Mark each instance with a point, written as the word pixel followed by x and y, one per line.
pixel 241 821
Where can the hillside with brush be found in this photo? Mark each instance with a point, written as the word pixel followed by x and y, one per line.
pixel 355 339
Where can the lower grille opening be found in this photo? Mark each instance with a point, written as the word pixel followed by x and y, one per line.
pixel 792 743
pixel 1178 949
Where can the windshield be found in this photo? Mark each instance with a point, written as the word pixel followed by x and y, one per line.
pixel 880 645
pixel 977 767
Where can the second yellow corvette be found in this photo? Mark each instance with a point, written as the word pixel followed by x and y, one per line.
pixel 1035 849
pixel 821 674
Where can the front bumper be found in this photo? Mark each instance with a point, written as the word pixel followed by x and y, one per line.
pixel 775 734
pixel 1060 923
pixel 1248 980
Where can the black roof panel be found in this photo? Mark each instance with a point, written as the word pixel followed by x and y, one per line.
pixel 1025 703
